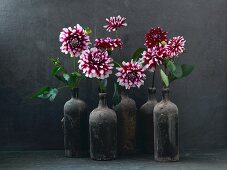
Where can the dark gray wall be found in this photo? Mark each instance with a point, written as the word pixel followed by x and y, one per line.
pixel 29 31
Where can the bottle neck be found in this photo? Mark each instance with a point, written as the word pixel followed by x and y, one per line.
pixel 102 100
pixel 124 93
pixel 151 93
pixel 75 93
pixel 165 94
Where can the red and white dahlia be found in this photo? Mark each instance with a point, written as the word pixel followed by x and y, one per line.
pixel 114 22
pixel 153 57
pixel 130 74
pixel 154 37
pixel 176 46
pixel 95 63
pixel 74 40
pixel 108 43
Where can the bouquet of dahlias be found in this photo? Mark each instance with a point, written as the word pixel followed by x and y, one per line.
pixel 163 52
pixel 130 74
pixel 74 41
pixel 96 62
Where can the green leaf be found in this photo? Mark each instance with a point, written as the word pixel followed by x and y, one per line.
pixel 56 70
pixel 66 76
pixel 77 74
pixel 138 53
pixel 52 94
pixel 116 64
pixel 116 96
pixel 186 69
pixel 73 78
pixel 61 78
pixel 55 61
pixel 170 66
pixel 88 31
pixel 164 78
pixel 171 78
pixel 41 91
pixel 178 72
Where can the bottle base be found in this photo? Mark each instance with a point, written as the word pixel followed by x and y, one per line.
pixel 167 159
pixel 72 154
pixel 103 158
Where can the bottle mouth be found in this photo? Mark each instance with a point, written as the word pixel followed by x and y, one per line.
pixel 102 95
pixel 75 92
pixel 165 90
pixel 151 90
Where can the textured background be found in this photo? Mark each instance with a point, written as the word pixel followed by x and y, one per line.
pixel 29 31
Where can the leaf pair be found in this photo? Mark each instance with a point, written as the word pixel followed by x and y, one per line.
pixel 58 70
pixel 46 93
pixel 176 71
pixel 73 79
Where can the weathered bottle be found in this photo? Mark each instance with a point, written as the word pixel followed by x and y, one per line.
pixel 166 144
pixel 103 131
pixel 126 127
pixel 75 126
pixel 145 123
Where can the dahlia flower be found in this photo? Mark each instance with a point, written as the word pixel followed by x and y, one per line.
pixel 114 22
pixel 95 63
pixel 154 37
pixel 108 43
pixel 176 46
pixel 130 74
pixel 74 40
pixel 153 57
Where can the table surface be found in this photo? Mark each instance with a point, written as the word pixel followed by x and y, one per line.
pixel 55 160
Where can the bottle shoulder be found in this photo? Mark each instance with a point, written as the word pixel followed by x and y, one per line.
pixel 165 107
pixel 103 114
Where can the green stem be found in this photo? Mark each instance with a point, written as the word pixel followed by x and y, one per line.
pixel 77 83
pixel 74 63
pixel 62 87
pixel 116 33
pixel 178 58
pixel 153 79
pixel 100 85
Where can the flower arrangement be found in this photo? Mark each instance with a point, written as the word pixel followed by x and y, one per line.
pixel 164 53
pixel 74 41
pixel 95 62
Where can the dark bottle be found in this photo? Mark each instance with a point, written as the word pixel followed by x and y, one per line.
pixel 75 126
pixel 103 131
pixel 166 144
pixel 126 127
pixel 145 123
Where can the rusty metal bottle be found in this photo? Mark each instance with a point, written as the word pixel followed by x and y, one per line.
pixel 103 131
pixel 166 144
pixel 145 123
pixel 126 117
pixel 75 126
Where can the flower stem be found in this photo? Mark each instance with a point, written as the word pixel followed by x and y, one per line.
pixel 74 63
pixel 153 79
pixel 177 60
pixel 62 87
pixel 100 85
pixel 116 33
